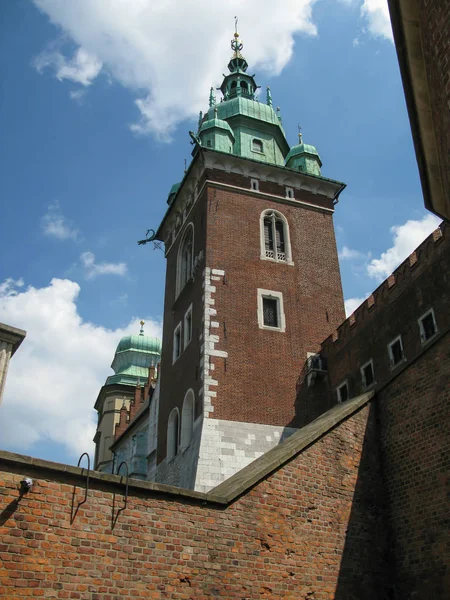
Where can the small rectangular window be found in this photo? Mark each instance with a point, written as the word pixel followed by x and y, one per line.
pixel 254 184
pixel 395 349
pixel 289 192
pixel 367 374
pixel 427 326
pixel 188 326
pixel 342 392
pixel 257 146
pixel 270 310
pixel 177 342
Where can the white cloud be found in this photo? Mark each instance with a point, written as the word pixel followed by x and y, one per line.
pixel 169 53
pixel 405 239
pixel 376 15
pixel 349 254
pixel 78 95
pixel 351 304
pixel 9 287
pixel 82 68
pixel 55 376
pixel 93 269
pixel 54 224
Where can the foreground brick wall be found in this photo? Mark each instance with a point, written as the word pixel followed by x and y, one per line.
pixel 414 413
pixel 314 529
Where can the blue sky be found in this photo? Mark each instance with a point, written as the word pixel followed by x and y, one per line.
pixel 95 110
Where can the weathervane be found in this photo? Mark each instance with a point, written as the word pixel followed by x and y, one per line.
pixel 236 45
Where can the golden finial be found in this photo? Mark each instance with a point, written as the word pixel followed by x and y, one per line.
pixel 236 35
pixel 300 141
pixel 141 332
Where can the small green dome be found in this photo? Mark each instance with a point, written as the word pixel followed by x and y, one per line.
pixel 141 343
pixel 135 354
pixel 216 123
pixel 304 158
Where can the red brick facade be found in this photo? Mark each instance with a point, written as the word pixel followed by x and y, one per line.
pixel 419 284
pixel 255 381
pixel 313 529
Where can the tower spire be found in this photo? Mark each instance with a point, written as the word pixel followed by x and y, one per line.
pixel 300 140
pixel 269 97
pixel 212 98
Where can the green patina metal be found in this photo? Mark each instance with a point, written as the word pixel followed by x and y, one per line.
pixel 243 126
pixel 304 158
pixel 135 354
pixel 217 134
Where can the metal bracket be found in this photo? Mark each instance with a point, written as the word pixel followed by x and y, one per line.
pixel 73 513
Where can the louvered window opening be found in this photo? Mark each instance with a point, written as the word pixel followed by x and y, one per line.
pixel 274 238
pixel 270 312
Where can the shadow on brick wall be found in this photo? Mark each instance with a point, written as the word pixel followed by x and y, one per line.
pixel 366 567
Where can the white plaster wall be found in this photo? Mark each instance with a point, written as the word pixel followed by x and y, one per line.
pixel 153 433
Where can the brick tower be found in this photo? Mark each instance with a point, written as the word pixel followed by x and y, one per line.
pixel 252 287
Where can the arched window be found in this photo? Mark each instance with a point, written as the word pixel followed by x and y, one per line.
pixel 185 258
pixel 244 87
pixel 275 243
pixel 257 145
pixel 173 433
pixel 187 419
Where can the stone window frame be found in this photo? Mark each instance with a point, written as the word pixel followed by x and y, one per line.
pixel 420 320
pixel 289 192
pixel 182 280
pixel 254 184
pixel 176 332
pixel 173 434
pixel 187 329
pixel 287 238
pixel 338 391
pixel 187 419
pixel 363 376
pixel 391 353
pixel 272 295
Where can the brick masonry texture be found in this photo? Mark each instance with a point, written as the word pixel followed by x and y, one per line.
pixel 313 529
pixel 257 381
pixel 435 36
pixel 420 283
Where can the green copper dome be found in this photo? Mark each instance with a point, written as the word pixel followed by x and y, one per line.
pixel 216 133
pixel 141 343
pixel 304 158
pixel 135 354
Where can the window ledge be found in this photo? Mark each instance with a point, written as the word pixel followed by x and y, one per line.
pixel 369 387
pixel 397 364
pixel 268 328
pixel 430 339
pixel 274 260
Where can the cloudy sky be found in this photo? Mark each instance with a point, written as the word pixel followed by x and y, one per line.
pixel 97 100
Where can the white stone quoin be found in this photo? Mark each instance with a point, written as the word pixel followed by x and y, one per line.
pixel 10 340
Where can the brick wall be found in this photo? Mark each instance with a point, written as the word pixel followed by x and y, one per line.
pixel 420 283
pixel 256 382
pixel 435 35
pixel 414 415
pixel 313 529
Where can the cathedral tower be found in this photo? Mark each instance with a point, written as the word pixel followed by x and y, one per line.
pixel 252 286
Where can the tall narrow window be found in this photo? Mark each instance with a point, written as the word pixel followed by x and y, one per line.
pixel 176 342
pixel 188 326
pixel 270 312
pixel 395 350
pixel 173 434
pixel 275 237
pixel 342 392
pixel 185 258
pixel 367 374
pixel 187 419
